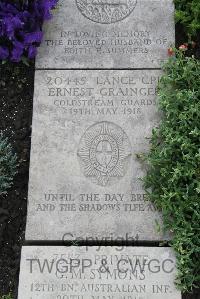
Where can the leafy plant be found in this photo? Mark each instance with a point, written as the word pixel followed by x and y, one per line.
pixel 21 27
pixel 8 165
pixel 6 296
pixel 173 176
pixel 188 14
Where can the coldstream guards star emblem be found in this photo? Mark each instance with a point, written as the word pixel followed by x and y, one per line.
pixel 106 11
pixel 104 153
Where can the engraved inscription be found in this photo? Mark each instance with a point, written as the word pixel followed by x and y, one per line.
pixel 106 11
pixel 88 127
pixel 104 152
pixel 97 272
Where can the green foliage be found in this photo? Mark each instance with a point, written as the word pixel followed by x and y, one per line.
pixel 188 14
pixel 8 164
pixel 6 296
pixel 173 176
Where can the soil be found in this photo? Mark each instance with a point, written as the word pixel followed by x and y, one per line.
pixel 16 96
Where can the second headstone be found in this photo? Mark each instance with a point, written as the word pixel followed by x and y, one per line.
pixel 88 127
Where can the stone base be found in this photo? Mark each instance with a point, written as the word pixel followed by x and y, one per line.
pixel 51 272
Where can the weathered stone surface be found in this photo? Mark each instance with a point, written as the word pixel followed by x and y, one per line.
pixel 108 34
pixel 97 273
pixel 88 127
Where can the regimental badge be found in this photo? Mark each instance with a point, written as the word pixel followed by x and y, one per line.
pixel 106 11
pixel 104 153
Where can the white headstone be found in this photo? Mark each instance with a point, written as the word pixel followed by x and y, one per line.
pixel 97 273
pixel 108 34
pixel 88 128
